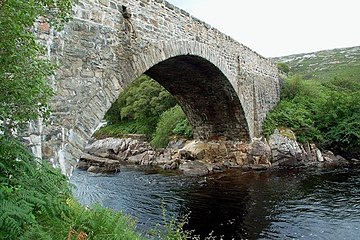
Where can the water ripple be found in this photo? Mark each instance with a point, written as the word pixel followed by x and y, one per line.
pixel 311 204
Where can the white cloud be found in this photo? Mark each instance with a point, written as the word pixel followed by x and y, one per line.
pixel 281 27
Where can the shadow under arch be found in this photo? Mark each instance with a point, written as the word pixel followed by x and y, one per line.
pixel 207 97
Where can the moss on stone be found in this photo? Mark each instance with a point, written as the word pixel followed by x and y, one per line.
pixel 287 132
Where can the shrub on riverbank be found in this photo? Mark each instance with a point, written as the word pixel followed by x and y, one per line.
pixel 171 120
pixel 326 113
pixel 141 104
pixel 145 107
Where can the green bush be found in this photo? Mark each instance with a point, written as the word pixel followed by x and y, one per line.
pixel 297 117
pixel 283 67
pixel 140 109
pixel 168 121
pixel 116 130
pixel 141 103
pixel 183 128
pixel 31 191
pixel 325 113
pixel 295 86
pixel 339 120
pixel 23 73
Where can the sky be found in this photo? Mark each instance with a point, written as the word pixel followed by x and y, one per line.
pixel 275 28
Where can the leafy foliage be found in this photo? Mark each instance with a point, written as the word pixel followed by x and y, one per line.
pixel 142 103
pixel 339 117
pixel 25 202
pixel 116 130
pixel 326 113
pixel 35 198
pixel 36 203
pixel 145 107
pixel 283 67
pixel 167 123
pixel 23 73
pixel 183 128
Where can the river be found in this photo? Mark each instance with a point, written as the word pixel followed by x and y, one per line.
pixel 281 204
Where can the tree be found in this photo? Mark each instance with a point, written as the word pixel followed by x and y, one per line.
pixel 324 113
pixel 339 119
pixel 142 102
pixel 23 68
pixel 283 67
pixel 168 122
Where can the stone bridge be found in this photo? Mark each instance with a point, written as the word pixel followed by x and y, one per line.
pixel 225 88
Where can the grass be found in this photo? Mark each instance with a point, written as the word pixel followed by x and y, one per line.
pixel 324 65
pixel 116 130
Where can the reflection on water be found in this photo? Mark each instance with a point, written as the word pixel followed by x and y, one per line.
pixel 308 204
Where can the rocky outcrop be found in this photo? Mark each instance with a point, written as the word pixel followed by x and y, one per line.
pixel 117 148
pixel 203 157
pixel 98 164
pixel 285 151
pixel 219 155
pixel 104 154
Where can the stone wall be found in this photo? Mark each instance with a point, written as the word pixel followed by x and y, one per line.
pixel 225 88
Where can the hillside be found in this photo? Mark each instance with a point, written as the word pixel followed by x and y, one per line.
pixel 324 65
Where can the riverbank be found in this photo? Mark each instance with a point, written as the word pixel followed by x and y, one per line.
pixel 195 157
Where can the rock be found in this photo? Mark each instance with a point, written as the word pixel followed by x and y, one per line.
pixel 177 143
pixel 164 158
pixel 139 158
pixel 106 148
pixel 286 161
pixel 284 151
pixel 99 164
pixel 211 151
pixel 172 165
pixel 329 156
pixel 240 157
pixel 259 148
pixel 195 150
pixel 194 168
pixel 94 169
pixel 257 167
pixel 118 148
pixel 259 152
pixel 319 156
pixel 83 165
pixel 341 162
pixel 354 161
pixel 308 152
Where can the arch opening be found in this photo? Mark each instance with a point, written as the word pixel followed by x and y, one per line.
pixel 205 94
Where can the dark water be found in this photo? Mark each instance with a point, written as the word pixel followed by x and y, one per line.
pixel 287 204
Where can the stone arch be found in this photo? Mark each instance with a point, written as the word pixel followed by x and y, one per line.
pixel 216 85
pixel 207 93
pixel 206 96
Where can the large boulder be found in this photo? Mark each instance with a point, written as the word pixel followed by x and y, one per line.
pixel 258 152
pixel 98 164
pixel 285 151
pixel 117 148
pixel 195 150
pixel 208 151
